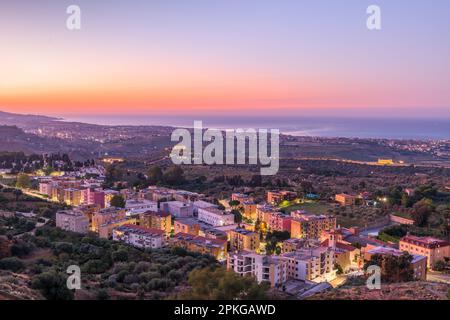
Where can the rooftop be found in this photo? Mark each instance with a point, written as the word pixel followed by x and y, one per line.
pixel 131 228
pixel 395 252
pixel 427 242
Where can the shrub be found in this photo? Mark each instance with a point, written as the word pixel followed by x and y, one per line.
pixel 13 264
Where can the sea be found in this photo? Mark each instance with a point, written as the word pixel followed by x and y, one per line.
pixel 392 128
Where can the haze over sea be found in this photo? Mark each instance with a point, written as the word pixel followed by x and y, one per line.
pixel 300 126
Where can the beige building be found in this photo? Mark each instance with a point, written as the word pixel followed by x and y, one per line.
pixel 276 197
pixel 72 220
pixel 249 210
pixel 434 249
pixel 157 220
pixel 310 226
pixel 241 239
pixel 271 269
pixel 105 216
pixel 140 237
pixel 214 247
pixel 311 264
pixel 187 225
pixel 345 199
pixel 106 230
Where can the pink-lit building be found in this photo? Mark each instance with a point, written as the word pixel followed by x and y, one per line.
pixel 278 221
pixel 93 197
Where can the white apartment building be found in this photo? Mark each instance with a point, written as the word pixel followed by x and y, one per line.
pixel 272 269
pixel 139 237
pixel 133 207
pixel 72 220
pixel 200 204
pixel 178 209
pixel 215 217
pixel 310 264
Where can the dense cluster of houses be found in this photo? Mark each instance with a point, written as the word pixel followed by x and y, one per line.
pixel 317 248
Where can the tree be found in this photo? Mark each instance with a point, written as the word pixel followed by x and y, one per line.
pixel 52 286
pixel 17 193
pixel 234 203
pixel 273 238
pixel 174 176
pixel 439 265
pixel 13 264
pixel 220 284
pixel 421 212
pixel 237 215
pixel 23 181
pixel 114 173
pixel 338 267
pixel 155 175
pixel 393 268
pixel 118 201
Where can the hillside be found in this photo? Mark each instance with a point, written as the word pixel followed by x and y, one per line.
pixel 420 290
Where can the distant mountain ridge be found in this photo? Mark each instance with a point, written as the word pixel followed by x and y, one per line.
pixel 8 118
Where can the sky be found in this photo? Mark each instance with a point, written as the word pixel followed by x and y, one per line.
pixel 264 57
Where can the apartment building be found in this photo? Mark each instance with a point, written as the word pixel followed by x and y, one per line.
pixel 178 209
pixel 345 199
pixel 72 220
pixel 92 196
pixel 276 197
pixel 134 207
pixel 106 230
pixel 263 211
pixel 139 237
pixel 434 249
pixel 200 204
pixel 278 221
pixel 241 239
pixel 271 269
pixel 214 247
pixel 310 264
pixel 310 226
pixel 46 187
pixel 241 197
pixel 72 197
pixel 107 215
pixel 215 217
pixel 156 220
pixel 294 244
pixel 187 225
pixel 186 196
pixel 249 210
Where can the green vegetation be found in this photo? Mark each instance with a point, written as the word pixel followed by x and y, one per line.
pixel 107 267
pixel 273 239
pixel 13 264
pixel 393 269
pixel 23 181
pixel 118 201
pixel 216 283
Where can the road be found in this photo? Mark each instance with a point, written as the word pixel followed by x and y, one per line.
pixel 438 277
